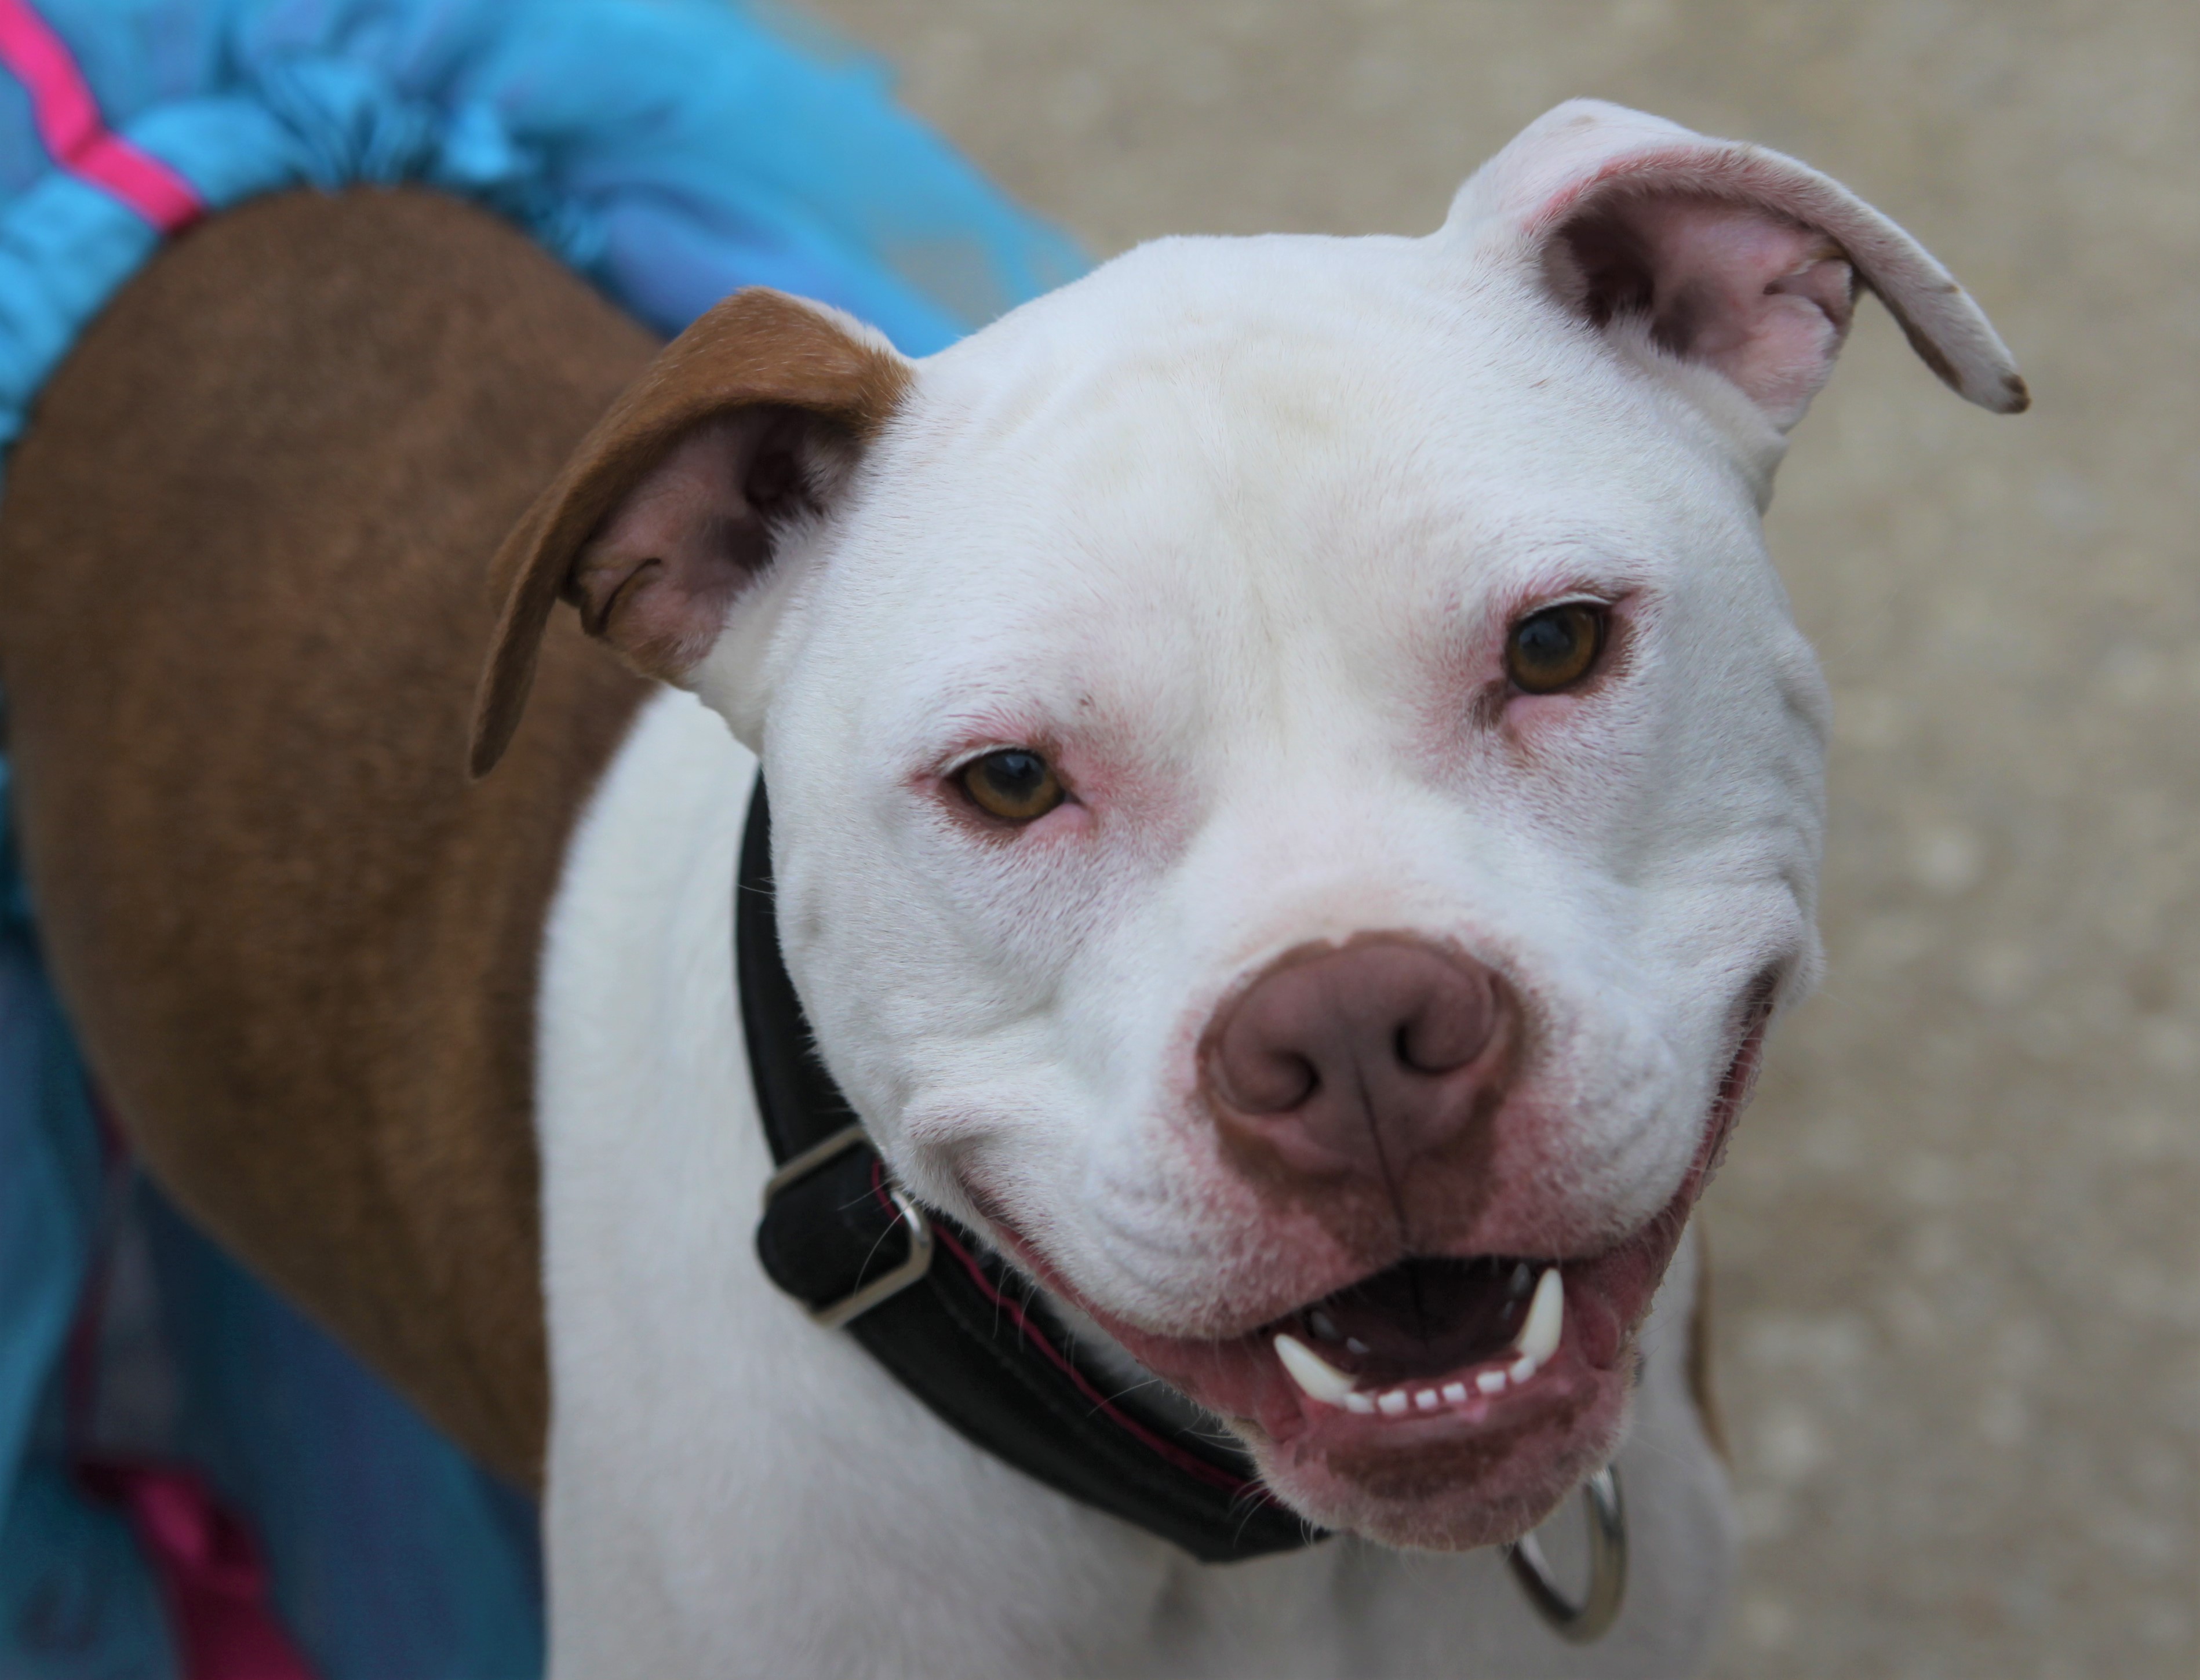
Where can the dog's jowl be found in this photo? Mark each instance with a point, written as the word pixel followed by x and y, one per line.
pixel 1295 798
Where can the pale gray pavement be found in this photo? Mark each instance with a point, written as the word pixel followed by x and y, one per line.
pixel 1956 1245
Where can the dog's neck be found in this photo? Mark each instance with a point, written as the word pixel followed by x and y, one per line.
pixel 1036 1382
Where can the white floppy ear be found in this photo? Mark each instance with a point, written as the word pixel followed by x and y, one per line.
pixel 1730 256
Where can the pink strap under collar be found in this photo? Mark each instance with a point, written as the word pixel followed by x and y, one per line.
pixel 69 126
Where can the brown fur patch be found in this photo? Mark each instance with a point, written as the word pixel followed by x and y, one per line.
pixel 243 593
pixel 758 348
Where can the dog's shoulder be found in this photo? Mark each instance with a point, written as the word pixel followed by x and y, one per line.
pixel 244 604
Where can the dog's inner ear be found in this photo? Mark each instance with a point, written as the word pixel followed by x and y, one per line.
pixel 1742 290
pixel 659 576
pixel 745 425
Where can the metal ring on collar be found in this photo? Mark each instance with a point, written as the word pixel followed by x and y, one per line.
pixel 1588 1620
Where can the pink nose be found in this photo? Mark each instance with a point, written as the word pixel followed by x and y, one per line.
pixel 1358 1059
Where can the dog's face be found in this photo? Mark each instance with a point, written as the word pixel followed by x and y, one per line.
pixel 1161 659
pixel 1296 790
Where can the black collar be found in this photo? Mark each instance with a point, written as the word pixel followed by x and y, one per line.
pixel 940 1310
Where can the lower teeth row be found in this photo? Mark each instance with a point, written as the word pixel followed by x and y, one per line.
pixel 1533 1347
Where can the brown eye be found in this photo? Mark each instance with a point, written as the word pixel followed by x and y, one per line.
pixel 1014 784
pixel 1555 648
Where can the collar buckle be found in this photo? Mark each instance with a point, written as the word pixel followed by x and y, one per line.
pixel 802 1172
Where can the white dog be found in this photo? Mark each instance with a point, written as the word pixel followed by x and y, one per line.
pixel 1297 793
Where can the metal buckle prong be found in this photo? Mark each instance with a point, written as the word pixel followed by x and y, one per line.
pixel 834 1314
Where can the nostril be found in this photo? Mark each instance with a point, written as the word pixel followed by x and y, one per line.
pixel 1422 1051
pixel 1265 1081
pixel 1352 1059
pixel 1452 1024
pixel 1320 1026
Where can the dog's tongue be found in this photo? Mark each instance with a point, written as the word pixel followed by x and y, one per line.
pixel 1422 1318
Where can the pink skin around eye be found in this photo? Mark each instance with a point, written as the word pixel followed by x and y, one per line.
pixel 1473 698
pixel 1071 817
pixel 1522 710
pixel 1113 786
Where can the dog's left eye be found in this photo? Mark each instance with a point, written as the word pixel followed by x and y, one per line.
pixel 1555 648
pixel 1015 785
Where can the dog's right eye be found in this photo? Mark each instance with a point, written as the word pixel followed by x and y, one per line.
pixel 1015 785
pixel 1555 648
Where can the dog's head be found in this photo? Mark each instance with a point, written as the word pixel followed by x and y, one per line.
pixel 1296 789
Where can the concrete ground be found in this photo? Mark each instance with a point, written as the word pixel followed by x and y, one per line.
pixel 1956 1246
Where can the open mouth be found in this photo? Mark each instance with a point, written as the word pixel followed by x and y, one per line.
pixel 1424 1335
pixel 1444 1402
pixel 1441 1402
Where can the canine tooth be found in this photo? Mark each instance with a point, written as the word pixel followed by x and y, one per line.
pixel 1393 1403
pixel 1311 1372
pixel 1521 1369
pixel 1454 1392
pixel 1490 1382
pixel 1547 1317
pixel 1357 1402
pixel 1428 1400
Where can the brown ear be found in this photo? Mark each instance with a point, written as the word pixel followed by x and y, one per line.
pixel 670 505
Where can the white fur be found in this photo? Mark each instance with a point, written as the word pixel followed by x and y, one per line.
pixel 733 1491
pixel 1236 527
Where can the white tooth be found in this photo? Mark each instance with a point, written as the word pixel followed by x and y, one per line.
pixel 1428 1400
pixel 1394 1403
pixel 1521 1369
pixel 1454 1392
pixel 1311 1372
pixel 1362 1403
pixel 1547 1317
pixel 1490 1382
